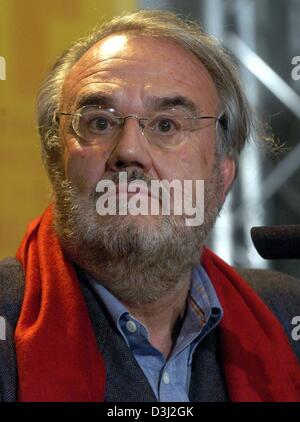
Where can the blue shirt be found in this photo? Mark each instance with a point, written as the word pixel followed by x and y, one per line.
pixel 169 378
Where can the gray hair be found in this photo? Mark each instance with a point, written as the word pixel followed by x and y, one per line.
pixel 236 121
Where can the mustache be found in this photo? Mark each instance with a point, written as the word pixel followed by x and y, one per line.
pixel 132 175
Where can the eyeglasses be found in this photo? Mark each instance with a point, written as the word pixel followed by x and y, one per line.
pixel 165 128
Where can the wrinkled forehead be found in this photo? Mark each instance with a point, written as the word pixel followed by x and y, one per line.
pixel 143 60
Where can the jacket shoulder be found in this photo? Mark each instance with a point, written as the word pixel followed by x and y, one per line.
pixel 281 293
pixel 11 294
pixel 11 285
pixel 273 285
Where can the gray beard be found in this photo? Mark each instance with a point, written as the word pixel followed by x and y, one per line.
pixel 138 263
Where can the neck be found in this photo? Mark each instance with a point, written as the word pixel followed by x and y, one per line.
pixel 154 293
pixel 163 317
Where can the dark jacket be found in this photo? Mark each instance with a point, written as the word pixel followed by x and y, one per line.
pixel 280 292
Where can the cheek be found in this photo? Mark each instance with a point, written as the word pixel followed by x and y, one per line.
pixel 84 165
pixel 199 158
pixel 190 162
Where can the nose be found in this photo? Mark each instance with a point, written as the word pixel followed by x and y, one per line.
pixel 131 149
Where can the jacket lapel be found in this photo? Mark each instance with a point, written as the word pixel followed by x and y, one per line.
pixel 125 380
pixel 207 379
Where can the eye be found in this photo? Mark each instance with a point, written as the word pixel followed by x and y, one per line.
pixel 99 124
pixel 165 125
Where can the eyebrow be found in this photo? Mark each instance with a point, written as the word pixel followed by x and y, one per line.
pixel 155 103
pixel 174 101
pixel 95 98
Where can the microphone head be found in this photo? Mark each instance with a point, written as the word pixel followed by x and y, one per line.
pixel 277 242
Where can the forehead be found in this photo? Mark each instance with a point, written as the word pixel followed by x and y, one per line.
pixel 127 65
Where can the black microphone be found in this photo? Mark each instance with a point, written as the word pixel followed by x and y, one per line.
pixel 277 242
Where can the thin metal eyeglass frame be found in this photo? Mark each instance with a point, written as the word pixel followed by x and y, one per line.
pixel 134 116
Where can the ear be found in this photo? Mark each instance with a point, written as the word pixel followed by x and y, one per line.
pixel 228 172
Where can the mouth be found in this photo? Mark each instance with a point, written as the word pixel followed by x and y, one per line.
pixel 134 188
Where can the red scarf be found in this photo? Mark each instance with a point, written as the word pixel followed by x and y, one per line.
pixel 58 358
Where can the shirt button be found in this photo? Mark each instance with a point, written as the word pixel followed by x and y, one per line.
pixel 131 326
pixel 166 378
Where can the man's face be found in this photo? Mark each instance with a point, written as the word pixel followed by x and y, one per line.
pixel 134 75
pixel 131 71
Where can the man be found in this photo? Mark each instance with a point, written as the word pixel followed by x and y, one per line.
pixel 132 307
